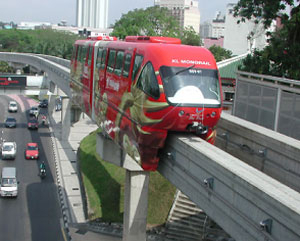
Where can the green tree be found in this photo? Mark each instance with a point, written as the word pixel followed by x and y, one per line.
pixel 282 55
pixel 190 37
pixel 220 53
pixel 50 42
pixel 153 21
pixel 5 68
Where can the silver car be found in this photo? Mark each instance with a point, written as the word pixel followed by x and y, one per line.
pixel 9 150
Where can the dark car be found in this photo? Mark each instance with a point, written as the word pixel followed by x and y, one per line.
pixel 43 103
pixel 10 122
pixel 33 124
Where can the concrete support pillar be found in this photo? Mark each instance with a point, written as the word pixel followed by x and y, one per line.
pixel 65 118
pixel 135 206
pixel 44 88
pixel 51 104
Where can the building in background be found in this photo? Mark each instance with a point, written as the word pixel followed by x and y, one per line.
pixel 208 42
pixel 185 11
pixel 243 37
pixel 218 26
pixel 92 14
pixel 213 31
pixel 33 25
pixel 205 30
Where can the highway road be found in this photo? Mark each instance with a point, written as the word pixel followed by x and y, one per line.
pixel 35 214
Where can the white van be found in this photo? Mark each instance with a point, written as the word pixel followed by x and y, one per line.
pixel 9 183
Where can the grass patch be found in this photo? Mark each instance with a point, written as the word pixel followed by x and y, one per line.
pixel 104 184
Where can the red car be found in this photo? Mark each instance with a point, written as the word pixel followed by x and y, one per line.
pixel 32 151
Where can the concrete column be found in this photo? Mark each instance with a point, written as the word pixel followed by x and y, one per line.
pixel 65 118
pixel 277 110
pixel 51 104
pixel 135 206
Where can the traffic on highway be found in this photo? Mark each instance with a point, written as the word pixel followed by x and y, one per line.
pixel 29 204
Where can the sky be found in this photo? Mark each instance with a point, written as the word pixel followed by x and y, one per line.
pixel 54 11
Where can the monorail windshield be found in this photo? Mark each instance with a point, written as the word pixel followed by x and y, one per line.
pixel 191 86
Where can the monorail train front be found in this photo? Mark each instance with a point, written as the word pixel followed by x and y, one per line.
pixel 179 90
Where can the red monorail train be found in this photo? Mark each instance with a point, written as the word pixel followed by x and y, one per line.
pixel 140 89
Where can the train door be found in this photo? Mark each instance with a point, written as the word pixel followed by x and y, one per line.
pixel 86 78
pixel 123 121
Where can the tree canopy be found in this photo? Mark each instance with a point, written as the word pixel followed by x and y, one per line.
pixel 220 53
pixel 282 56
pixel 153 21
pixel 51 42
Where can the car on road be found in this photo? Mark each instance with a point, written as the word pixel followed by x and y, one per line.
pixel 33 124
pixel 34 111
pixel 12 106
pixel 43 103
pixel 10 122
pixel 32 151
pixel 9 182
pixel 9 150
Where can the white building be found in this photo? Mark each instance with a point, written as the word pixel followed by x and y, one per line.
pixel 185 11
pixel 92 13
pixel 243 37
pixel 218 26
pixel 33 25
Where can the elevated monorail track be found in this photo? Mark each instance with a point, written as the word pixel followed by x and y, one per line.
pixel 255 197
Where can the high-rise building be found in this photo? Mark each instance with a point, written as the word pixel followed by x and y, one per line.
pixel 185 11
pixel 218 26
pixel 245 36
pixel 92 13
pixel 205 29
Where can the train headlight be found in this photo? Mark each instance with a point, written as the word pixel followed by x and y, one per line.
pixel 213 114
pixel 181 113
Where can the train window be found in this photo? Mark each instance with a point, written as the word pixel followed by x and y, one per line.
pixel 99 57
pixel 79 48
pixel 90 55
pixel 83 54
pixel 127 63
pixel 111 60
pixel 148 82
pixel 103 58
pixel 191 86
pixel 74 52
pixel 119 63
pixel 137 64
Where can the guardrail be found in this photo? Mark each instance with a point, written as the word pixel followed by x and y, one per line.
pixel 268 80
pixel 246 203
pixel 275 154
pixel 231 60
pixel 57 73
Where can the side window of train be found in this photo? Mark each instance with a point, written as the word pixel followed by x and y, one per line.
pixel 99 57
pixel 74 52
pixel 90 55
pixel 79 48
pixel 119 63
pixel 83 54
pixel 137 64
pixel 147 81
pixel 103 59
pixel 111 60
pixel 127 63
